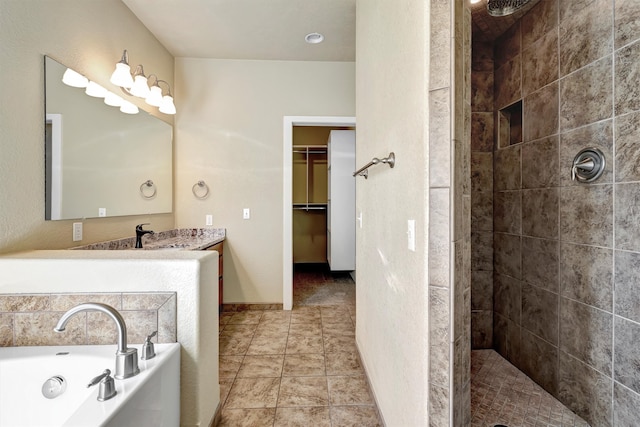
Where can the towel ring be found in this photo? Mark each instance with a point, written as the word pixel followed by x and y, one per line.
pixel 148 183
pixel 200 184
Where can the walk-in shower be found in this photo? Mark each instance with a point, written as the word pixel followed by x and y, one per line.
pixel 554 278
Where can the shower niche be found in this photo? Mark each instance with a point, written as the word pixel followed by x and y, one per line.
pixel 510 125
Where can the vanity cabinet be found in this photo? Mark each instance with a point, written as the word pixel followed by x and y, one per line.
pixel 218 247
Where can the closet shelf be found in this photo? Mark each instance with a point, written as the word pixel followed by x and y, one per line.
pixel 310 206
pixel 310 149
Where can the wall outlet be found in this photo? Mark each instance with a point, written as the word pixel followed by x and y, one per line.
pixel 102 212
pixel 208 219
pixel 246 213
pixel 77 231
pixel 411 234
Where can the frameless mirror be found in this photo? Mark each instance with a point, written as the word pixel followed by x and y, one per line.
pixel 99 160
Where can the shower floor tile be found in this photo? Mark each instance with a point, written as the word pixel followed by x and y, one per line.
pixel 502 395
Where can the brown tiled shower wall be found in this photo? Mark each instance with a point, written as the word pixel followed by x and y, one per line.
pixel 482 130
pixel 566 290
pixel 28 320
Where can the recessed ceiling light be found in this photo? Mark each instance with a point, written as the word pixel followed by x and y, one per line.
pixel 314 38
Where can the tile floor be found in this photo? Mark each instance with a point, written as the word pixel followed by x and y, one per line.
pixel 301 368
pixel 298 368
pixel 502 394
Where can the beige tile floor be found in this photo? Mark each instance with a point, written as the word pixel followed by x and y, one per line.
pixel 301 368
pixel 502 394
pixel 298 368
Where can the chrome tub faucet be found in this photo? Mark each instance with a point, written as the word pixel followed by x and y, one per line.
pixel 126 358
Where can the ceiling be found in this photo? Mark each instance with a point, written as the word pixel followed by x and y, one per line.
pixel 273 29
pixel 251 29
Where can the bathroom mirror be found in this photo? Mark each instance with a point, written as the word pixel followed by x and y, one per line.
pixel 99 160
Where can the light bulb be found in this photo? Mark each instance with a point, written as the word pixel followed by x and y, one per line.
pixel 74 79
pixel 128 108
pixel 167 106
pixel 140 87
pixel 95 90
pixel 155 96
pixel 122 75
pixel 113 100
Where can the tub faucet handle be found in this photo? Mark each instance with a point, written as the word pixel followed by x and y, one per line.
pixel 148 350
pixel 107 385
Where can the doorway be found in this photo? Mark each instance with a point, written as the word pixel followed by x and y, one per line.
pixel 289 122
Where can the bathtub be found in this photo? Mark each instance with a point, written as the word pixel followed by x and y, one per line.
pixel 151 398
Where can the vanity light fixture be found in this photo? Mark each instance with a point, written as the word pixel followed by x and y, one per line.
pixel 155 94
pixel 137 85
pixel 140 86
pixel 122 75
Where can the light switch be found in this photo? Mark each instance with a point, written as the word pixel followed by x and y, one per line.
pixel 246 213
pixel 208 219
pixel 77 231
pixel 411 234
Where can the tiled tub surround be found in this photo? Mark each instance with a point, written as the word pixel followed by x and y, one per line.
pixel 565 253
pixel 187 274
pixel 28 320
pixel 179 238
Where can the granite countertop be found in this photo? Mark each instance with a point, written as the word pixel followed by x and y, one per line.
pixel 187 239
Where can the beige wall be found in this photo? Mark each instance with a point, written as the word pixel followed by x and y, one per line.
pixel 88 36
pixel 392 310
pixel 229 134
pixel 413 309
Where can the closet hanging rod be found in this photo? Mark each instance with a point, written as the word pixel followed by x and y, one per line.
pixel 310 151
pixel 364 171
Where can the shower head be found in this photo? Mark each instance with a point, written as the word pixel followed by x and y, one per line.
pixel 504 7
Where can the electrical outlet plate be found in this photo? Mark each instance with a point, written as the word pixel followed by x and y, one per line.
pixel 102 212
pixel 77 231
pixel 208 219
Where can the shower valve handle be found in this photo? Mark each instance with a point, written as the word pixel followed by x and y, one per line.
pixel 586 165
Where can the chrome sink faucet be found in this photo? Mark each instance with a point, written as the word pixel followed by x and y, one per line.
pixel 126 358
pixel 139 233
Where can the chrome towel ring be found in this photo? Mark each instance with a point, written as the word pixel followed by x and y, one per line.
pixel 149 184
pixel 202 186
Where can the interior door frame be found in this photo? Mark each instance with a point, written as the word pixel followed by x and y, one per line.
pixel 287 182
